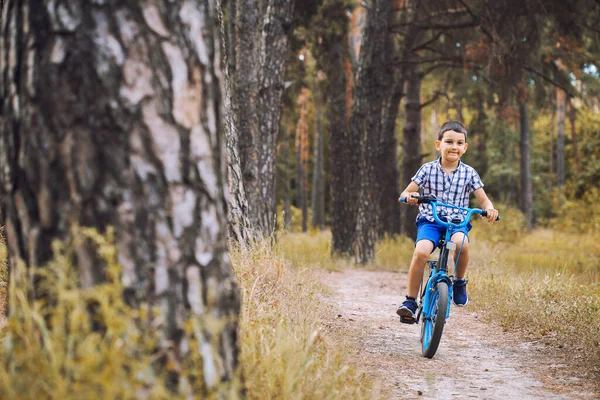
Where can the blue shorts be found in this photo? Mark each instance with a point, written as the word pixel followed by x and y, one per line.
pixel 427 230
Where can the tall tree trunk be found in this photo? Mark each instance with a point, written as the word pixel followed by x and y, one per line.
pixel 526 193
pixel 373 78
pixel 551 155
pixel 239 223
pixel 572 118
pixel 245 81
pixel 302 157
pixel 411 144
pixel 111 116
pixel 277 23
pixel 318 184
pixel 480 134
pixel 388 174
pixel 332 57
pixel 561 103
pixel 287 192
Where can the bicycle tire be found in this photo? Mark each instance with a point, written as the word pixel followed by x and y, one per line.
pixel 432 329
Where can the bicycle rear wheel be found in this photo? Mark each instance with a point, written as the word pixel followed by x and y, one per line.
pixel 434 320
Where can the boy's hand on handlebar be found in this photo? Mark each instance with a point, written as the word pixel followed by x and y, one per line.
pixel 410 199
pixel 492 215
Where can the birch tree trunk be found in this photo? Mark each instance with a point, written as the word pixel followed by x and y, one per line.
pixel 112 116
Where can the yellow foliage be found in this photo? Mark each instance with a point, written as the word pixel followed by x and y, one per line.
pixel 51 350
pixel 580 215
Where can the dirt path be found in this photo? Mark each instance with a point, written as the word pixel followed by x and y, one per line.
pixel 475 360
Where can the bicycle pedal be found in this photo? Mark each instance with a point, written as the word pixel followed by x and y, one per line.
pixel 408 321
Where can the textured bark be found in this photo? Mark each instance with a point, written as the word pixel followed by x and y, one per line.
pixel 411 145
pixel 274 43
pixel 239 223
pixel 526 192
pixel 331 57
pixel 245 84
pixel 388 174
pixel 262 31
pixel 111 116
pixel 561 104
pixel 302 157
pixel 318 183
pixel 373 78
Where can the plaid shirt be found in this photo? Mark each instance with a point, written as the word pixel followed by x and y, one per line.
pixel 452 189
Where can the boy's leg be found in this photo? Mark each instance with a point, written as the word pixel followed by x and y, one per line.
pixel 407 310
pixel 463 261
pixel 423 249
pixel 459 287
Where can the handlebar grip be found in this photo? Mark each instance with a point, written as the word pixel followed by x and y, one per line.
pixel 484 214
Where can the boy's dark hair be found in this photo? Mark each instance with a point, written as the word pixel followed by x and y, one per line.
pixel 452 126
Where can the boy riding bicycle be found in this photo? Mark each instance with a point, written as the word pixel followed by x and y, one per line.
pixel 451 181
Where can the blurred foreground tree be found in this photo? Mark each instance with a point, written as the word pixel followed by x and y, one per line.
pixel 111 116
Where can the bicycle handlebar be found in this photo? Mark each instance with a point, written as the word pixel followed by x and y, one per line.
pixel 431 199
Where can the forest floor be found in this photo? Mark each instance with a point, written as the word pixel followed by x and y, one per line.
pixel 476 359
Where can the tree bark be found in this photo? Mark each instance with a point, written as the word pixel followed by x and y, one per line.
pixel 302 157
pixel 572 118
pixel 390 212
pixel 561 103
pixel 318 184
pixel 411 144
pixel 239 223
pixel 248 25
pixel 331 56
pixel 526 193
pixel 112 116
pixel 276 29
pixel 287 193
pixel 374 77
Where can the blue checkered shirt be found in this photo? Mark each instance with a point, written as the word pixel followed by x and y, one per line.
pixel 452 189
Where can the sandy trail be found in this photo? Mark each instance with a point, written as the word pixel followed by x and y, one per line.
pixel 474 360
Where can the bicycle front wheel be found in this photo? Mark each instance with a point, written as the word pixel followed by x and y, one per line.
pixel 434 320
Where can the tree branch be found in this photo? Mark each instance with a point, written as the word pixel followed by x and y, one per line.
pixel 397 28
pixel 548 79
pixel 434 98
pixel 428 42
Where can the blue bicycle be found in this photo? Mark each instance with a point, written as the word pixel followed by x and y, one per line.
pixel 436 296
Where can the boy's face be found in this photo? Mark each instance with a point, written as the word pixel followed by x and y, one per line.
pixel 452 146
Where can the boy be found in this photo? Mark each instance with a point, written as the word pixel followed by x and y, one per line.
pixel 451 181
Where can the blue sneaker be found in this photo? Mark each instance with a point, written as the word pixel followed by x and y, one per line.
pixel 459 290
pixel 407 311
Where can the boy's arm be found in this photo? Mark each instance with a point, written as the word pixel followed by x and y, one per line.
pixel 411 190
pixel 486 204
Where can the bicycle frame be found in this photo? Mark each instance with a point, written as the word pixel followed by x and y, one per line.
pixel 438 289
pixel 439 269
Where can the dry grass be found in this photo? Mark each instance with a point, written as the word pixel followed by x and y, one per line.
pixel 546 285
pixel 287 352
